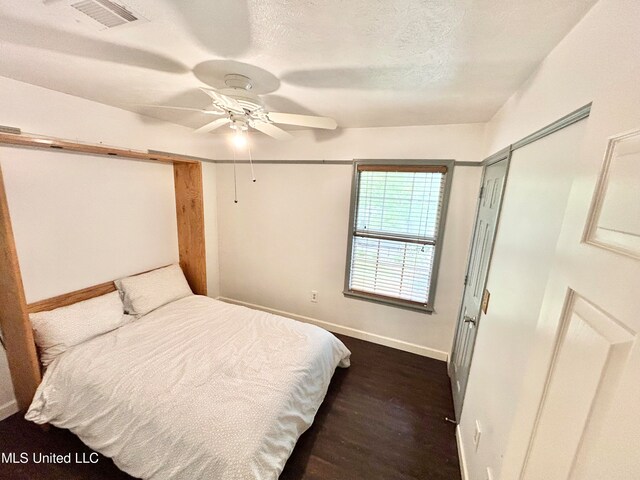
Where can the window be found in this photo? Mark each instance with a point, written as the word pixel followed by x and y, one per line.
pixel 395 231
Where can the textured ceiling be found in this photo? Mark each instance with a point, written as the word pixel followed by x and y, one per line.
pixel 363 62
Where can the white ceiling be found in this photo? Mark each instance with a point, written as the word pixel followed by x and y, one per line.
pixel 363 62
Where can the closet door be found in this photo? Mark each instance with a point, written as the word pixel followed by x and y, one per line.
pixel 493 181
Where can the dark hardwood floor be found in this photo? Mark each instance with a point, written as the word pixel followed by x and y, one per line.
pixel 383 418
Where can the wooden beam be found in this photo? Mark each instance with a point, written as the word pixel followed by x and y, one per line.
pixel 14 319
pixel 35 141
pixel 190 217
pixel 71 298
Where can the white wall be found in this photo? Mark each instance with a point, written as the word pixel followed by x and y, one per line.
pixel 288 233
pixel 81 220
pixel 598 61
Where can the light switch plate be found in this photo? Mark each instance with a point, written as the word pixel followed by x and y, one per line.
pixel 485 301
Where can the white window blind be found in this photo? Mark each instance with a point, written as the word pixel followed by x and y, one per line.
pixel 395 231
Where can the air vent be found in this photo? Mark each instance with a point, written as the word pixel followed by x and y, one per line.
pixel 105 12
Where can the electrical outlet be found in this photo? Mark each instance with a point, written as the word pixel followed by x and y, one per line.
pixel 314 296
pixel 489 475
pixel 476 435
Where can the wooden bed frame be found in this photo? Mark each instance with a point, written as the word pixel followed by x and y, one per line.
pixel 14 310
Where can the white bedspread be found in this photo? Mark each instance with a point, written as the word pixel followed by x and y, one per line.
pixel 198 389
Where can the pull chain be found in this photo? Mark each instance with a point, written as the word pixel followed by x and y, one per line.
pixel 253 175
pixel 235 182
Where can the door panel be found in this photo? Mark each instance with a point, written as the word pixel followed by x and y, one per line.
pixel 615 221
pixel 481 248
pixel 592 349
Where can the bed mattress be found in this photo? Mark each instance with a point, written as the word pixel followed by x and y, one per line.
pixel 198 389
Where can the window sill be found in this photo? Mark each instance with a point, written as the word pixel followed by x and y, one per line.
pixel 391 302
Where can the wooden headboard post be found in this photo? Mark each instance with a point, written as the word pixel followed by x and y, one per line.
pixel 187 179
pixel 14 319
pixel 14 311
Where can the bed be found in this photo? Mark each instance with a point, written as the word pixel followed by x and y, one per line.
pixel 196 389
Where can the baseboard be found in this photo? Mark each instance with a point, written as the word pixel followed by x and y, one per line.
pixel 350 332
pixel 463 459
pixel 8 409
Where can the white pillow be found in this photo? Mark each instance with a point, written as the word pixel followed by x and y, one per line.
pixel 148 291
pixel 58 330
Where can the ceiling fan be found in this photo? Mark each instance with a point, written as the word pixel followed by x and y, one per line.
pixel 242 109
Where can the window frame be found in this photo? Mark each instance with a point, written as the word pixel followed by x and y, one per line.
pixel 382 299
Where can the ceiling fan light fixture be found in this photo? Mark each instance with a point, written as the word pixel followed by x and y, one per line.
pixel 240 139
pixel 240 128
pixel 238 124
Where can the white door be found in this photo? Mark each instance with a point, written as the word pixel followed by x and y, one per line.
pixel 491 193
pixel 579 415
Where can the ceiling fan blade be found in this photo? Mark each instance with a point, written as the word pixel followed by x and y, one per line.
pixel 224 101
pixel 189 109
pixel 210 127
pixel 303 120
pixel 271 130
